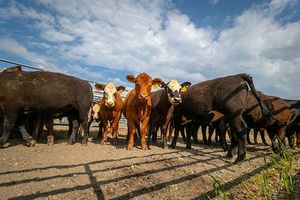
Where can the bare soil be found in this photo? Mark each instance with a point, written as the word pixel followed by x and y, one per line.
pixel 111 172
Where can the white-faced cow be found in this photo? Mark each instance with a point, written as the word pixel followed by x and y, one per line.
pixel 109 109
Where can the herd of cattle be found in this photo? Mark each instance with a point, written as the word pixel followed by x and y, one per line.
pixel 30 100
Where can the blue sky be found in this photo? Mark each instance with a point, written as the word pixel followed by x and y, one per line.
pixel 191 40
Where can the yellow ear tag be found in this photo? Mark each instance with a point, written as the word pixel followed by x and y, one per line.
pixel 155 86
pixel 120 91
pixel 183 89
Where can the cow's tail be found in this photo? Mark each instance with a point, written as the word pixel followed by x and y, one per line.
pixel 266 112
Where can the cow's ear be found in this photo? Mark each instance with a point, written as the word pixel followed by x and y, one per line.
pixel 156 81
pixel 162 85
pixel 130 78
pixel 186 84
pixel 120 89
pixel 99 86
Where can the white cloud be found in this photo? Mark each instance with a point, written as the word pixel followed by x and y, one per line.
pixel 151 36
pixel 214 2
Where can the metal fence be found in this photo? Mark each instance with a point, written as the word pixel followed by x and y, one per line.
pixel 97 95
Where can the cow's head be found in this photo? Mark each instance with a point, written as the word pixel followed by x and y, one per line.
pixel 174 90
pixel 96 110
pixel 110 92
pixel 143 83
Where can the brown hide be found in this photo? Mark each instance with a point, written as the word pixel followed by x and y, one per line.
pixel 137 107
pixel 280 110
pixel 110 116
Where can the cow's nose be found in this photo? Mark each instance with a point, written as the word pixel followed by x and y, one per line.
pixel 143 97
pixel 110 104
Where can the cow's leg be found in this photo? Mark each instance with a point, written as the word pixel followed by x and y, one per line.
pixel 8 124
pixel 174 140
pixel 182 132
pixel 240 128
pixel 195 128
pixel 83 118
pixel 154 133
pixel 104 134
pixel 100 131
pixel 233 144
pixel 115 127
pixel 278 140
pixel 49 126
pixel 131 133
pixel 28 138
pixel 210 133
pixel 164 136
pixel 298 139
pixel 75 124
pixel 143 128
pixel 248 135
pixel 188 136
pixel 203 130
pixel 255 135
pixel 291 141
pixel 151 131
pixel 36 126
pixel 221 131
pixel 263 138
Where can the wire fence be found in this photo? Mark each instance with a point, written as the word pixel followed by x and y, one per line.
pixel 97 95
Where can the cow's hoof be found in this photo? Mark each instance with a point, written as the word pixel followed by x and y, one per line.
pixel 130 148
pixel 1 144
pixel 103 142
pixel 114 142
pixel 31 143
pixel 70 142
pixel 188 147
pixel 84 140
pixel 173 146
pixel 229 156
pixel 239 159
pixel 165 146
pixel 50 140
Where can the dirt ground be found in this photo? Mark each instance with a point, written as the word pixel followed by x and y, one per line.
pixel 111 172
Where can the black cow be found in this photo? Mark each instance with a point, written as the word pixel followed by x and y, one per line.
pixel 226 95
pixel 42 93
pixel 162 110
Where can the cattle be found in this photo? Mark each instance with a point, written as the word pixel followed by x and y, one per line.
pixel 255 133
pixel 281 115
pixel 226 95
pixel 162 110
pixel 137 107
pixel 109 109
pixel 294 124
pixel 42 93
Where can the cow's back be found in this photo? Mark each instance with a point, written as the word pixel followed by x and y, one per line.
pixel 217 94
pixel 44 90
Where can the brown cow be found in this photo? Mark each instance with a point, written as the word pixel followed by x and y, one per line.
pixel 109 109
pixel 137 107
pixel 281 115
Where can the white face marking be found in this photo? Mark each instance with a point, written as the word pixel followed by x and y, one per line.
pixel 95 111
pixel 174 93
pixel 110 90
